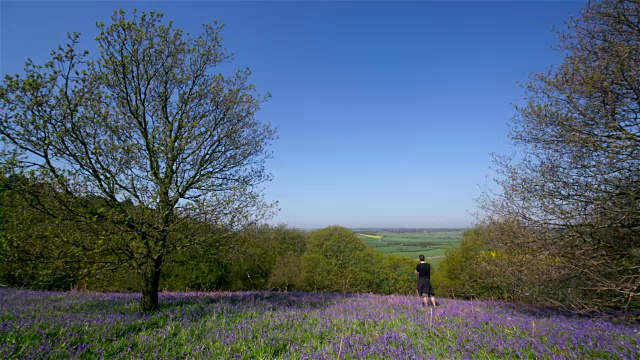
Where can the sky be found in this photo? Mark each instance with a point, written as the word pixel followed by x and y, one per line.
pixel 387 112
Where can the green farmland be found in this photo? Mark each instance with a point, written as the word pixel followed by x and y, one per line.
pixel 410 243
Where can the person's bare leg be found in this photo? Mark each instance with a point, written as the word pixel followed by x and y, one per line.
pixel 425 300
pixel 433 301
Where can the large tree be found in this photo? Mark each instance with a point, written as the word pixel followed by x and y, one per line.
pixel 575 177
pixel 141 143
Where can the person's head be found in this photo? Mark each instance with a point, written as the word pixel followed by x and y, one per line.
pixel 421 257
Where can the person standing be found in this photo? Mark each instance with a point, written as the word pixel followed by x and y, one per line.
pixel 425 290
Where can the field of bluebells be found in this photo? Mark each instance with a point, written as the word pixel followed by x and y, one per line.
pixel 270 325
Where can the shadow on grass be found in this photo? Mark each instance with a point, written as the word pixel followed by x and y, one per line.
pixel 268 300
pixel 129 303
pixel 613 315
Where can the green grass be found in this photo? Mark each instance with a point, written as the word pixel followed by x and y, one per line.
pixel 431 244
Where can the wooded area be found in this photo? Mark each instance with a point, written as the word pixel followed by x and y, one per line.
pixel 564 227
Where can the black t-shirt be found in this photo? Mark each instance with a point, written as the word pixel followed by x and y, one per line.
pixel 424 270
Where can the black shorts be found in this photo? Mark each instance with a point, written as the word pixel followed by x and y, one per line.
pixel 424 287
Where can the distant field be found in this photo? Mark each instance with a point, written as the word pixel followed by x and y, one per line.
pixel 371 236
pixel 411 243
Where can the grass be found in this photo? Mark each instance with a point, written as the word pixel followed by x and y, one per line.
pixel 297 325
pixel 431 244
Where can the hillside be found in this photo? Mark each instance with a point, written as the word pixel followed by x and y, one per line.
pixel 296 325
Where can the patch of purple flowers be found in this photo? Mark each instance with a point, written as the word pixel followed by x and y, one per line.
pixel 296 325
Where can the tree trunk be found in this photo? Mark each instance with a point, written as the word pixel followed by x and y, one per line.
pixel 150 284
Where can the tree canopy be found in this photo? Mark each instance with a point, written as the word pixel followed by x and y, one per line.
pixel 337 260
pixel 574 178
pixel 147 129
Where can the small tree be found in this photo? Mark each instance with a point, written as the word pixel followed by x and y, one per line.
pixel 337 260
pixel 396 275
pixel 147 128
pixel 257 253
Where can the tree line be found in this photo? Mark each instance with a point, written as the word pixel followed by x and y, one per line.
pixel 41 252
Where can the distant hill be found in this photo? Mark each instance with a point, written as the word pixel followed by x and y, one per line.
pixel 407 230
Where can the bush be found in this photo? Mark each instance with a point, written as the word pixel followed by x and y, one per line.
pixel 473 269
pixel 396 275
pixel 337 260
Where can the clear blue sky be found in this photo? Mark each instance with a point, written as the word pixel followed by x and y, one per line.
pixel 386 111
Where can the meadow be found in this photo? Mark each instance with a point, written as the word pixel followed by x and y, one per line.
pixel 297 325
pixel 410 243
